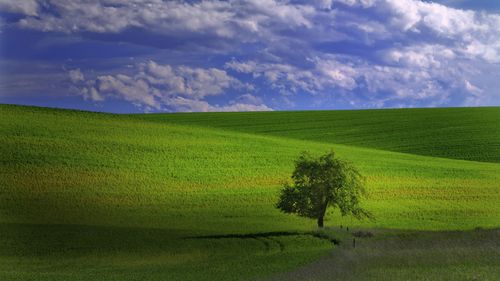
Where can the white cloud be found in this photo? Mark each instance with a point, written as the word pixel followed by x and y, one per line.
pixel 190 105
pixel 418 75
pixel 76 75
pixel 265 20
pixel 243 107
pixel 336 73
pixel 90 93
pixel 248 99
pixel 288 78
pixel 411 15
pixel 395 51
pixel 489 52
pixel 132 89
pixel 225 19
pixel 421 56
pixel 24 7
pixel 472 88
pixel 187 81
pixel 160 87
pixel 471 32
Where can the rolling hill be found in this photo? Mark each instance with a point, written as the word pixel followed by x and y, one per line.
pixel 190 196
pixel 457 133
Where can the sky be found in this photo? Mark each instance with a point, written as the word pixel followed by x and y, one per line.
pixel 255 55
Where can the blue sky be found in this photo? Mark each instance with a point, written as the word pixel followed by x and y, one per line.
pixel 165 56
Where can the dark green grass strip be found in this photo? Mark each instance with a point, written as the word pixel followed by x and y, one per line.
pixel 76 252
pixel 458 133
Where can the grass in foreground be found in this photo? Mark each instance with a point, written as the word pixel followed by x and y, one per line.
pixel 408 255
pixel 72 252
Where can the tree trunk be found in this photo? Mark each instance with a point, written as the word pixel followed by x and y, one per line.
pixel 320 221
pixel 322 215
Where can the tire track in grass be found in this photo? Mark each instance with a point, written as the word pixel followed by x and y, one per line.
pixel 267 238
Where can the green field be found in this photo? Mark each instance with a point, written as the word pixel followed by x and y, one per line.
pixel 190 196
pixel 457 133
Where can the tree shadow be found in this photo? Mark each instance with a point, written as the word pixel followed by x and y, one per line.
pixel 249 235
pixel 268 235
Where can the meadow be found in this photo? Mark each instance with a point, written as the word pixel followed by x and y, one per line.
pixel 191 196
pixel 457 133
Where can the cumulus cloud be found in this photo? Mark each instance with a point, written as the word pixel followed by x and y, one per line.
pixel 248 99
pixel 190 105
pixel 470 32
pixel 24 7
pixel 282 77
pixel 419 56
pixel 269 20
pixel 187 81
pixel 424 75
pixel 430 61
pixel 224 19
pixel 290 79
pixel 76 75
pixel 153 86
pixel 368 52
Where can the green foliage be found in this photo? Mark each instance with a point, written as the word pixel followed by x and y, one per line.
pixel 321 183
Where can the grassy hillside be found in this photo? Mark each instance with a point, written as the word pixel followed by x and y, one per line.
pixel 87 194
pixel 457 133
pixel 68 166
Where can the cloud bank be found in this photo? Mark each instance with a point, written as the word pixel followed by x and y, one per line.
pixel 163 87
pixel 363 53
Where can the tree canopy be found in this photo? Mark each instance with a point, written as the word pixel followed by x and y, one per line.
pixel 319 183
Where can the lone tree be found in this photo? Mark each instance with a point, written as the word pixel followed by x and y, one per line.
pixel 321 183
